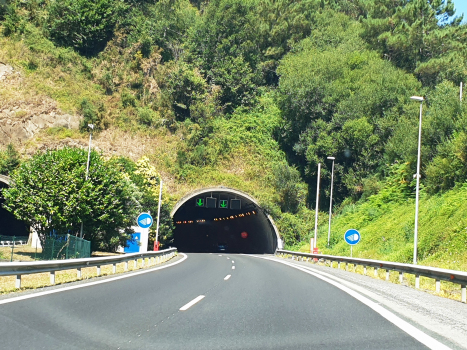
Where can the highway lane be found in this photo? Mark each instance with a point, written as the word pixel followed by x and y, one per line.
pixel 263 305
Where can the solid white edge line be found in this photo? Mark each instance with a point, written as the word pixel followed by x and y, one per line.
pixel 411 330
pixel 35 295
pixel 227 277
pixel 191 303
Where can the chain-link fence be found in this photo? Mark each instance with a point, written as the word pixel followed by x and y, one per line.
pixel 65 247
pixel 11 242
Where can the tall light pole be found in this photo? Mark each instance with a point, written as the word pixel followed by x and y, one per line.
pixel 316 210
pixel 158 214
pixel 417 191
pixel 330 201
pixel 91 126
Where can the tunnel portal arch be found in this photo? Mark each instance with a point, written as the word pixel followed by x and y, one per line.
pixel 223 219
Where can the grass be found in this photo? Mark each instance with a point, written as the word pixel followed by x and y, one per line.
pixel 39 280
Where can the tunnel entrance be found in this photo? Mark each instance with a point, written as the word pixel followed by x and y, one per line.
pixel 223 220
pixel 9 224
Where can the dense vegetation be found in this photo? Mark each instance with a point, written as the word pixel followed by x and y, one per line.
pixel 269 88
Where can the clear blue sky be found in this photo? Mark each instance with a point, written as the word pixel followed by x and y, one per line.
pixel 461 7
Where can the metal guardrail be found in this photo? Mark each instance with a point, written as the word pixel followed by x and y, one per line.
pixel 459 277
pixel 23 268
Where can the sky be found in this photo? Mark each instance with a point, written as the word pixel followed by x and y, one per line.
pixel 461 7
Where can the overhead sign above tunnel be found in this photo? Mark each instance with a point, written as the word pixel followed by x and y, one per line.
pixel 211 202
pixel 212 217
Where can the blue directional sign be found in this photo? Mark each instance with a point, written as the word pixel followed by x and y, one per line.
pixel 144 220
pixel 352 236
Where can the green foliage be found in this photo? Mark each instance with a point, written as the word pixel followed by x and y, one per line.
pixel 92 115
pixel 291 190
pixel 9 159
pixel 85 25
pixel 410 35
pixel 388 231
pixel 147 180
pixel 50 193
pixel 339 99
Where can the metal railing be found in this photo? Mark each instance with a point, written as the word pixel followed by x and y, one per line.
pixel 23 268
pixel 438 274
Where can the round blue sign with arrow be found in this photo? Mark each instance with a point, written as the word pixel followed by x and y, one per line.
pixel 144 220
pixel 352 236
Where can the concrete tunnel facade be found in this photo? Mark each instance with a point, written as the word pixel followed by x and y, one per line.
pixel 223 219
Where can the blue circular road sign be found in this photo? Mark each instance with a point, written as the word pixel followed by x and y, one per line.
pixel 352 236
pixel 144 220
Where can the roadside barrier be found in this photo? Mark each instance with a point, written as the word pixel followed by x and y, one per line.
pixel 23 268
pixel 459 277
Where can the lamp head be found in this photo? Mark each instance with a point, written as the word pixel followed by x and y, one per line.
pixel 331 158
pixel 91 126
pixel 417 98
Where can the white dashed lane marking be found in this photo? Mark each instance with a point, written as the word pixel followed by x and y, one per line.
pixel 191 303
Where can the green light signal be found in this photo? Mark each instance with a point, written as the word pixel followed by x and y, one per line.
pixel 200 202
pixel 224 203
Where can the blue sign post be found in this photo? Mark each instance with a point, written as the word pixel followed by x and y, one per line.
pixel 352 237
pixel 145 220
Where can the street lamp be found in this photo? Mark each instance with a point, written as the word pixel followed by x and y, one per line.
pixel 316 210
pixel 330 202
pixel 91 126
pixel 417 191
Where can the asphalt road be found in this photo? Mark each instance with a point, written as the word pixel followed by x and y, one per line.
pixel 263 305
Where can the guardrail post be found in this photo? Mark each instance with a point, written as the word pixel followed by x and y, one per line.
pixel 339 265
pixel 354 267
pixel 375 271
pixel 438 286
pixel 126 265
pixel 463 293
pixel 387 275
pixel 364 270
pixel 114 268
pixel 142 262
pixel 18 282
pixel 78 272
pixel 401 277
pixel 52 277
pixel 417 281
pixel 135 264
pixel 98 270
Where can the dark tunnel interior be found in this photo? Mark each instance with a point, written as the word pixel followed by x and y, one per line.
pixel 9 225
pixel 215 222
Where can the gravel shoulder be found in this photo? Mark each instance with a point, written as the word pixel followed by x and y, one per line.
pixel 443 319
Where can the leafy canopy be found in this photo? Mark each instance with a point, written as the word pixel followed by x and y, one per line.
pixel 49 192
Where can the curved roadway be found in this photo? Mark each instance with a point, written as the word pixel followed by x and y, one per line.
pixel 262 305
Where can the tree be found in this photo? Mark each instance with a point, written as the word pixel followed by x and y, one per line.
pixel 147 179
pixel 49 192
pixel 418 35
pixel 85 25
pixel 339 98
pixel 9 159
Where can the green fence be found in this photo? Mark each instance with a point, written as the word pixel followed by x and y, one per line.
pixel 65 247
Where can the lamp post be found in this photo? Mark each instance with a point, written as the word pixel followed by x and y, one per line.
pixel 158 214
pixel 330 201
pixel 91 126
pixel 417 191
pixel 316 210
